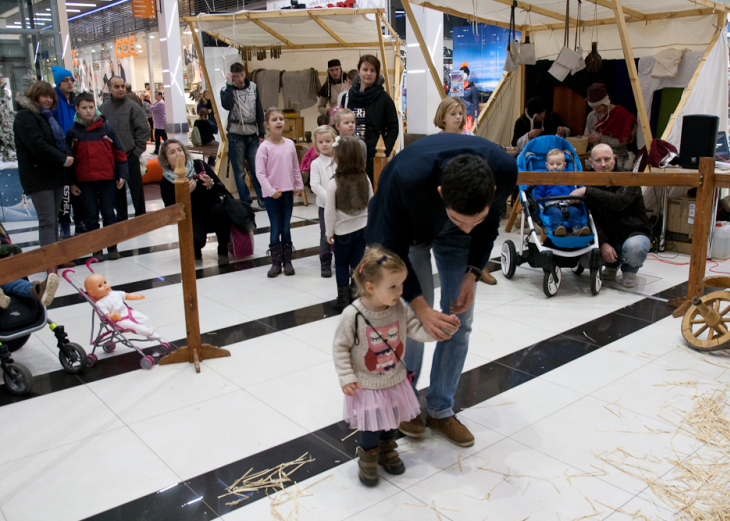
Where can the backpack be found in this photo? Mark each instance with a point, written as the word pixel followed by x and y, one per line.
pixel 195 137
pixel 241 244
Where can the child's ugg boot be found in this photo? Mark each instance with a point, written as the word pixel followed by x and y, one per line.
pixel 388 457
pixel 286 251
pixel 325 262
pixel 343 299
pixel 275 252
pixel 368 464
pixel 45 291
pixel 4 300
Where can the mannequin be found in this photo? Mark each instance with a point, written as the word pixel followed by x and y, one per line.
pixel 111 303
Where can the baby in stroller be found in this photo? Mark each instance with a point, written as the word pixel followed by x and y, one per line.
pixel 561 211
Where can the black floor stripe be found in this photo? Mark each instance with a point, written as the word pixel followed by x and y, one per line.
pixel 23 230
pixel 326 445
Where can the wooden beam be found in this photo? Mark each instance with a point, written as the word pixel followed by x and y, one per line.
pixel 267 29
pixel 709 3
pixel 633 74
pixel 326 28
pixel 612 21
pixel 424 49
pixel 391 30
pixel 635 15
pixel 287 13
pixel 658 177
pixel 216 111
pixel 680 14
pixel 383 57
pixel 467 16
pixel 539 10
pixel 50 256
pixel 693 80
pixel 492 99
pixel 220 37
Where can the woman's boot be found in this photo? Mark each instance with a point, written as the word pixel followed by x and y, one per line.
pixel 368 464
pixel 343 299
pixel 286 252
pixel 388 457
pixel 325 263
pixel 275 252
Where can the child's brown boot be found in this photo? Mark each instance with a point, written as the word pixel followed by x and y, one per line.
pixel 4 300
pixel 388 457
pixel 44 291
pixel 368 464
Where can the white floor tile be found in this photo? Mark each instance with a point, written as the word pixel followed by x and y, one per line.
pixel 215 432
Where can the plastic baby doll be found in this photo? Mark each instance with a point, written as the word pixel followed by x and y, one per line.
pixel 111 303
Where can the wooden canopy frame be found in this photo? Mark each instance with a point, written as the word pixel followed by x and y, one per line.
pixel 260 19
pixel 621 16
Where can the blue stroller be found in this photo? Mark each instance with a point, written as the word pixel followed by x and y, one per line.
pixel 575 252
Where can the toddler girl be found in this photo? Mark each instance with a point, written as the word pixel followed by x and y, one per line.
pixel 450 117
pixel 345 125
pixel 346 213
pixel 322 170
pixel 277 169
pixel 311 154
pixel 368 353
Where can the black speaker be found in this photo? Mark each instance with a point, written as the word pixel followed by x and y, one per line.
pixel 699 138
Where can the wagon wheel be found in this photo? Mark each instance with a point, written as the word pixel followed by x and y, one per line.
pixel 706 325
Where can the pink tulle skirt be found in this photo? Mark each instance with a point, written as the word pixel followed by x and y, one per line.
pixel 381 409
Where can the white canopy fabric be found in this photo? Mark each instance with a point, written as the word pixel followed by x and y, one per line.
pixel 353 26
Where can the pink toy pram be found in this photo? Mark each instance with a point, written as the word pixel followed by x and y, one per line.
pixel 110 334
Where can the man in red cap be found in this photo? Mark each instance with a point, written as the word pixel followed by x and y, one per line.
pixel 609 123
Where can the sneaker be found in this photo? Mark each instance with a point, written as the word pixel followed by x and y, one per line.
pixel 65 231
pixel 559 231
pixel 113 253
pixel 609 274
pixel 46 290
pixel 413 428
pixel 453 429
pixel 628 280
pixel 4 300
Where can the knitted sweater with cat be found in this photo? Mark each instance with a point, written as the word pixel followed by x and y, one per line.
pixel 370 355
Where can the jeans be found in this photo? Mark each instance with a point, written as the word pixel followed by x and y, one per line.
pixel 47 204
pixel 217 221
pixel 556 217
pixel 19 288
pixel 349 249
pixel 242 148
pixel 369 439
pixel 160 137
pixel 279 211
pixel 324 246
pixel 136 188
pixel 633 253
pixel 98 196
pixel 451 250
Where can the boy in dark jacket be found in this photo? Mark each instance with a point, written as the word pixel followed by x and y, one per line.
pixel 100 166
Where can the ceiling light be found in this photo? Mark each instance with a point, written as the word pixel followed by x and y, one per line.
pixel 139 46
pixel 48 8
pixel 187 32
pixel 163 39
pixel 80 4
pixel 152 36
pixel 73 10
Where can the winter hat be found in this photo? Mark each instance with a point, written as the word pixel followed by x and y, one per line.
pixel 534 106
pixel 597 95
pixel 465 67
pixel 59 73
pixel 334 63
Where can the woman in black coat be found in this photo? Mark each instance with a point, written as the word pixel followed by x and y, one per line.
pixel 43 157
pixel 209 214
pixel 375 113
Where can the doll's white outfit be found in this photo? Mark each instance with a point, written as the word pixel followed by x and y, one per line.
pixel 133 320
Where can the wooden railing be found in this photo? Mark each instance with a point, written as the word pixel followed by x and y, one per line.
pixel 41 259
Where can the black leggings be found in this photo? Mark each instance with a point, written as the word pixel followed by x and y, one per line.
pixel 369 439
pixel 216 221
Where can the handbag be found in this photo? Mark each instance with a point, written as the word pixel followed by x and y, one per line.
pixel 195 137
pixel 513 53
pixel 409 374
pixel 241 244
pixel 567 60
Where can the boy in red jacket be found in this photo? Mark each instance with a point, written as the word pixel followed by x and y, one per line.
pixel 100 166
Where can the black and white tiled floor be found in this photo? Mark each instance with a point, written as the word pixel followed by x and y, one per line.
pixel 548 386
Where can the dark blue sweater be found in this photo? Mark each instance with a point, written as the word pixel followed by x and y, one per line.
pixel 407 208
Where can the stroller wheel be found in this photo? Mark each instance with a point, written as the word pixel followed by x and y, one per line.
pixel 508 259
pixel 551 285
pixel 164 349
pixel 596 280
pixel 147 362
pixel 18 379
pixel 73 358
pixel 577 270
pixel 91 360
pixel 108 347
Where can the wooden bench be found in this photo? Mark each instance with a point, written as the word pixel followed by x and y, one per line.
pixel 206 150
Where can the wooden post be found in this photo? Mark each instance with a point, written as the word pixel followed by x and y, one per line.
pixel 379 162
pixel 382 55
pixel 516 209
pixel 633 74
pixel 700 236
pixel 424 49
pixel 492 99
pixel 194 352
pixel 223 148
pixel 688 89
